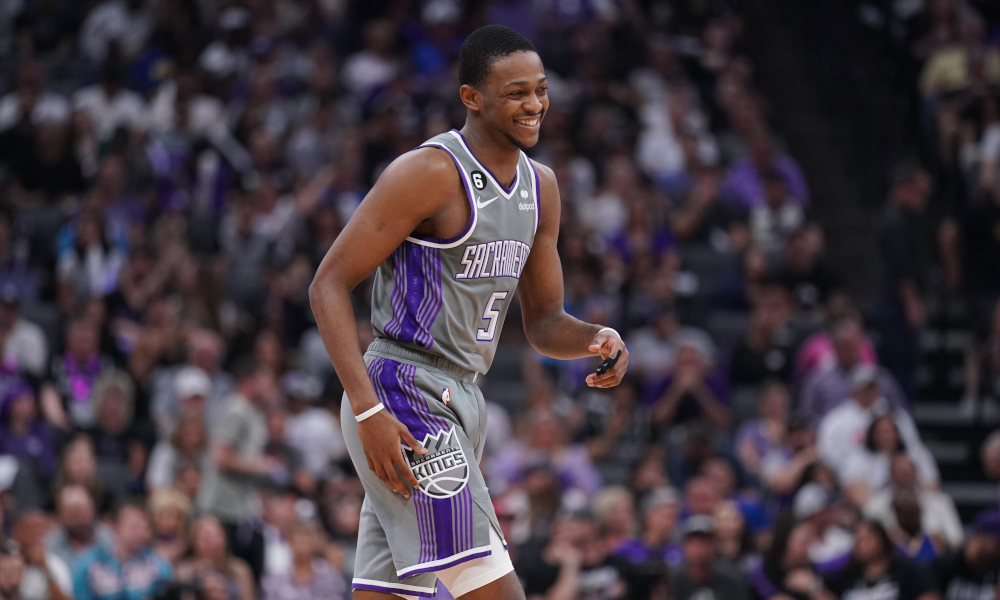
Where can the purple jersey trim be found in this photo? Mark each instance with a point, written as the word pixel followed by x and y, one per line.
pixel 506 190
pixel 391 589
pixel 417 569
pixel 538 195
pixel 468 195
pixel 417 294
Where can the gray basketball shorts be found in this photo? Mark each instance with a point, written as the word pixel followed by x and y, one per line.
pixel 401 543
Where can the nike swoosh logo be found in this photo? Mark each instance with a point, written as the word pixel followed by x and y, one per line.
pixel 481 204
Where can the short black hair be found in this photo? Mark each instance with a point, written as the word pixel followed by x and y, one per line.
pixel 484 47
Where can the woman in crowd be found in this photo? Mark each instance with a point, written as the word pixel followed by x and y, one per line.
pixel 875 569
pixel 188 442
pixel 23 431
pixel 168 513
pixel 210 559
pixel 786 571
pixel 79 467
pixel 866 472
pixel 310 576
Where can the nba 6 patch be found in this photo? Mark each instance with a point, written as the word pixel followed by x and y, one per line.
pixel 445 396
pixel 444 470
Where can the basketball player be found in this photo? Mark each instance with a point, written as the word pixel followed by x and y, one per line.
pixel 452 228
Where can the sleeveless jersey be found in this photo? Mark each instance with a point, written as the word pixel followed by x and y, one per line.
pixel 449 297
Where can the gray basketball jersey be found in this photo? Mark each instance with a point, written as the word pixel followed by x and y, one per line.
pixel 450 297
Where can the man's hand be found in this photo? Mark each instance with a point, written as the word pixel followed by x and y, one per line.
pixel 380 437
pixel 608 343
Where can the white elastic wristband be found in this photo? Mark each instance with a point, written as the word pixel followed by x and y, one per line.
pixel 611 330
pixel 368 413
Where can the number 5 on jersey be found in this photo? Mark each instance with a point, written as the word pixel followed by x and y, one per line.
pixel 491 314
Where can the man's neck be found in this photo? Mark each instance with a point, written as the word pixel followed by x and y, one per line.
pixel 877 568
pixel 700 573
pixel 499 156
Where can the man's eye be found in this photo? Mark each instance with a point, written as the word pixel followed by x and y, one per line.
pixel 543 89
pixel 516 94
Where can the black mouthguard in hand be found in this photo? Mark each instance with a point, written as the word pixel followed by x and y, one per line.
pixel 608 364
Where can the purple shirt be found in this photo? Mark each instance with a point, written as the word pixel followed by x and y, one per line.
pixel 824 391
pixel 37 445
pixel 636 551
pixel 689 408
pixel 743 185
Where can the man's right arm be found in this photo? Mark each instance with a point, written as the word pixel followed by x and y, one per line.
pixel 402 200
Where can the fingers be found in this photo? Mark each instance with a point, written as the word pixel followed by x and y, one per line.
pixel 411 441
pixel 612 377
pixel 404 468
pixel 394 482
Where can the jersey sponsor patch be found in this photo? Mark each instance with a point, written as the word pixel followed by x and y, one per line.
pixel 444 470
pixel 502 258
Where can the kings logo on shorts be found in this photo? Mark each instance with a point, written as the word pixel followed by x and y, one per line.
pixel 443 471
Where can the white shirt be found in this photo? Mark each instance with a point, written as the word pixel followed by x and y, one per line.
pixel 835 543
pixel 126 109
pixel 316 434
pixel 277 552
pixel 113 21
pixel 842 432
pixel 50 107
pixel 938 515
pixel 35 585
pixel 27 346
pixel 364 71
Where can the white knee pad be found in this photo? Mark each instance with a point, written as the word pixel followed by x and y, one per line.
pixel 474 574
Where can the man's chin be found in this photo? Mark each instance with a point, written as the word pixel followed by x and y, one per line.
pixel 522 143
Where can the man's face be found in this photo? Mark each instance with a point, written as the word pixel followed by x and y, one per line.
pixel 902 473
pixel 514 98
pixel 868 395
pixel 699 550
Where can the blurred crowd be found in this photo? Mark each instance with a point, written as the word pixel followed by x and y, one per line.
pixel 173 171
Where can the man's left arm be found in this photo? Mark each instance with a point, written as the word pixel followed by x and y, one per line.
pixel 549 329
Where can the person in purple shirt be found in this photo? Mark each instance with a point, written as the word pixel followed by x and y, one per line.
pixel 692 390
pixel 23 431
pixel 744 183
pixel 660 511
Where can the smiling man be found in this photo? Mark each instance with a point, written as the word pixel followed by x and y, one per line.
pixel 453 228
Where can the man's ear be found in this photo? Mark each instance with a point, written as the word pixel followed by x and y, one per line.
pixel 471 97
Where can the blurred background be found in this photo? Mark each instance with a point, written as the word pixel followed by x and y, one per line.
pixel 790 211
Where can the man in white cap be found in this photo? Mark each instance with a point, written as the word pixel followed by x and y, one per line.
pixel 843 430
pixel 191 388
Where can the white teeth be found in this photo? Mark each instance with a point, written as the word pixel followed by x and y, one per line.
pixel 527 122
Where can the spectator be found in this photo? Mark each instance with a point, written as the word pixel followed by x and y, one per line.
pixel 79 467
pixel 655 542
pixel 210 559
pixel 874 566
pixel 758 439
pixel 804 271
pixel 938 515
pixel 905 260
pixel 126 23
pixel 237 453
pixel 974 568
pixel 702 573
pixel 120 445
pixel 768 349
pixel 310 577
pixel 24 433
pixel 733 538
pixel 312 430
pixel 615 512
pixel 67 399
pixel 11 570
pixel 571 564
pixel 744 185
pixel 129 569
pixel 866 471
pixel 911 541
pixel 46 576
pixel 291 470
pixel 24 343
pixel 187 444
pixel 778 217
pixel 843 429
pixel 787 569
pixel 168 514
pixel 693 390
pixel 827 389
pixel 785 467
pixel 191 388
pixel 78 530
pixel 818 506
pixel 617 432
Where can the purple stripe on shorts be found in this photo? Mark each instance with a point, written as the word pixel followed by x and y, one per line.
pixel 449 564
pixel 390 589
